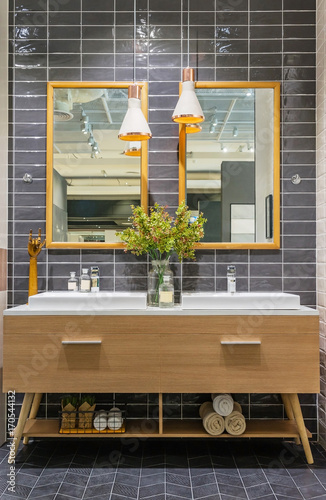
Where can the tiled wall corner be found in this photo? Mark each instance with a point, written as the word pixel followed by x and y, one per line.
pixel 3 190
pixel 321 209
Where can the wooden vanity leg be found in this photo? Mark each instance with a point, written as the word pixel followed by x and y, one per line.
pixel 34 410
pixel 294 400
pixel 289 412
pixel 26 406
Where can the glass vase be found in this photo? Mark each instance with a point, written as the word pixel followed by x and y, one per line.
pixel 159 269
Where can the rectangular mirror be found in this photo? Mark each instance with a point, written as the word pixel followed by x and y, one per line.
pixel 92 176
pixel 230 168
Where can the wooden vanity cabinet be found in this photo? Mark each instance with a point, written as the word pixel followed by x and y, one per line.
pixel 79 354
pixel 163 353
pixel 249 354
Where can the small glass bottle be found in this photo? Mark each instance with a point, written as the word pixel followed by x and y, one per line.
pixel 85 281
pixel 166 292
pixel 95 279
pixel 231 279
pixel 73 282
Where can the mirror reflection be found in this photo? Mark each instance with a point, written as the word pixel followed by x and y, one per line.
pixel 93 176
pixel 232 164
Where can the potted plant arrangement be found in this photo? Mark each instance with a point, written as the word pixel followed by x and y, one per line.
pixel 159 235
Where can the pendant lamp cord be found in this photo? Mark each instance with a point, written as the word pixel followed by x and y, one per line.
pixel 188 45
pixel 181 8
pixel 134 73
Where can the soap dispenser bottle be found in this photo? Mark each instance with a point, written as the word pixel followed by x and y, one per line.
pixel 231 279
pixel 95 279
pixel 85 281
pixel 72 282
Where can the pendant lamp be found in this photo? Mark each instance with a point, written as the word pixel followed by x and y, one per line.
pixel 134 126
pixel 133 150
pixel 188 109
pixel 193 128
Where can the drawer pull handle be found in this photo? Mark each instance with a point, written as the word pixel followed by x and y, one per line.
pixel 81 342
pixel 239 342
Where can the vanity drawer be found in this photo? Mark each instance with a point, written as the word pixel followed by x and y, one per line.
pixel 263 363
pixel 53 362
pixel 161 353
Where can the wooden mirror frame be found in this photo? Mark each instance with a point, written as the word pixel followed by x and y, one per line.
pixel 276 173
pixel 49 160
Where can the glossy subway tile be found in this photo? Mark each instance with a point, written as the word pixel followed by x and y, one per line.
pixel 67 5
pixel 299 4
pixel 29 5
pixel 262 5
pixel 303 31
pixel 266 18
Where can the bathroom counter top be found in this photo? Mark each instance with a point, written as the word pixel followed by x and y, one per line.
pixel 25 310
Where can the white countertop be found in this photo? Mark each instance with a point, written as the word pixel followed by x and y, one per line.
pixel 25 310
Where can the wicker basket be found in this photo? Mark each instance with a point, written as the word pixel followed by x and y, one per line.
pixel 68 417
pixel 69 424
pixel 85 416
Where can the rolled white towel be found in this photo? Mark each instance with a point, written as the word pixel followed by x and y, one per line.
pixel 115 422
pixel 101 420
pixel 223 404
pixel 212 422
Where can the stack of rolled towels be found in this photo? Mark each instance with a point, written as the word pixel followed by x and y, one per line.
pixel 222 414
pixel 112 419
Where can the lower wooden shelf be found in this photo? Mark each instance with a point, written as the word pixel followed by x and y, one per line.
pixel 171 428
pixel 50 428
pixel 255 428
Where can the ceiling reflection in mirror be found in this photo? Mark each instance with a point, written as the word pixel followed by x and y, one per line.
pixel 95 176
pixel 231 166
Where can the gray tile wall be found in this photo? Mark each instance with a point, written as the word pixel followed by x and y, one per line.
pixel 320 211
pixel 229 40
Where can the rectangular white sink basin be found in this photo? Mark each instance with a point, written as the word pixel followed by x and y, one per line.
pixel 240 300
pixel 79 301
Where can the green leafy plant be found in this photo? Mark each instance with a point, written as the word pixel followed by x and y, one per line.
pixel 159 234
pixel 73 400
pixel 87 398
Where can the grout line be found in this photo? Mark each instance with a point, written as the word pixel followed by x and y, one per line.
pixel 189 472
pixel 236 467
pixel 114 39
pixel 249 33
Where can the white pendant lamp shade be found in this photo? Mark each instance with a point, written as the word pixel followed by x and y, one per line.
pixel 134 126
pixel 188 109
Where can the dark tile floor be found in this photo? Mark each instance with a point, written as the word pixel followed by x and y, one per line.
pixel 132 469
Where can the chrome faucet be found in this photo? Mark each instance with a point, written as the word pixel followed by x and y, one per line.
pixel 231 278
